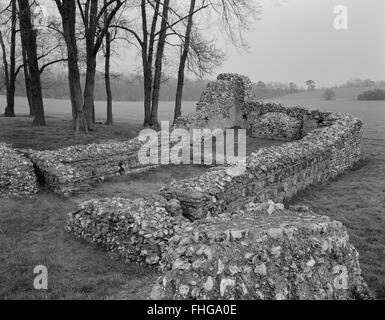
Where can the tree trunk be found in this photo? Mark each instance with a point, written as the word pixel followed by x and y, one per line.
pixel 182 63
pixel 28 36
pixel 27 82
pixel 89 92
pixel 10 109
pixel 158 65
pixel 5 61
pixel 94 37
pixel 79 117
pixel 10 82
pixel 147 72
pixel 110 120
pixel 67 11
pixel 147 95
pixel 91 53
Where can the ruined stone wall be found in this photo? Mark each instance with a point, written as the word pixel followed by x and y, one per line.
pixel 221 104
pixel 237 242
pixel 266 252
pixel 70 170
pixel 229 102
pixel 226 102
pixel 17 176
pixel 323 145
pixel 306 119
pixel 276 173
pixel 133 230
pixel 262 252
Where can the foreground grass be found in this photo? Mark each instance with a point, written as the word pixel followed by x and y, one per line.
pixel 32 233
pixel 58 133
pixel 32 229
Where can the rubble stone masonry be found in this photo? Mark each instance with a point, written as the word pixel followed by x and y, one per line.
pixel 224 234
pixel 17 176
pixel 328 144
pixel 266 252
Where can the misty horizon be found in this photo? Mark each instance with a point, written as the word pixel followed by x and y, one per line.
pixel 294 41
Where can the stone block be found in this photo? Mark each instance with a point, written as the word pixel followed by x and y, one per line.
pixel 262 254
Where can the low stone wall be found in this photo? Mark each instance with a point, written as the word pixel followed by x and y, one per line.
pixel 134 230
pixel 17 176
pixel 309 119
pixel 263 253
pixel 227 102
pixel 260 252
pixel 276 173
pixel 323 145
pixel 70 170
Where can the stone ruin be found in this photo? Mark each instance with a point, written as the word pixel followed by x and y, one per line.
pixel 251 254
pixel 221 235
pixel 17 176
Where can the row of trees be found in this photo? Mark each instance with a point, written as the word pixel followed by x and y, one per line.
pixel 124 87
pixel 363 83
pixel 81 31
pixel 291 87
pixel 274 89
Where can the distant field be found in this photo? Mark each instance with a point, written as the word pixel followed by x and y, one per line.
pixel 31 229
pixel 124 111
pixel 132 111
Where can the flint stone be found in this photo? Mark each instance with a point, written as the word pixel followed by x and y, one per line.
pixel 282 267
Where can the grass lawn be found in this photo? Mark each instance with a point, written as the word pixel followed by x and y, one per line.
pixel 32 229
pixel 21 134
pixel 32 234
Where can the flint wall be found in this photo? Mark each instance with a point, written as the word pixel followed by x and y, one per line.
pixel 70 170
pixel 330 144
pixel 17 176
pixel 322 145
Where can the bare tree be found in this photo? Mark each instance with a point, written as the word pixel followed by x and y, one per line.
pixel 91 17
pixel 236 16
pixel 67 9
pixel 203 55
pixel 28 38
pixel 110 37
pixel 146 39
pixel 27 81
pixel 107 55
pixel 147 51
pixel 49 49
pixel 182 62
pixel 158 65
pixel 146 42
pixel 10 68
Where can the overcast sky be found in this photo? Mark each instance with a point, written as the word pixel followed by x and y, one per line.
pixel 297 41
